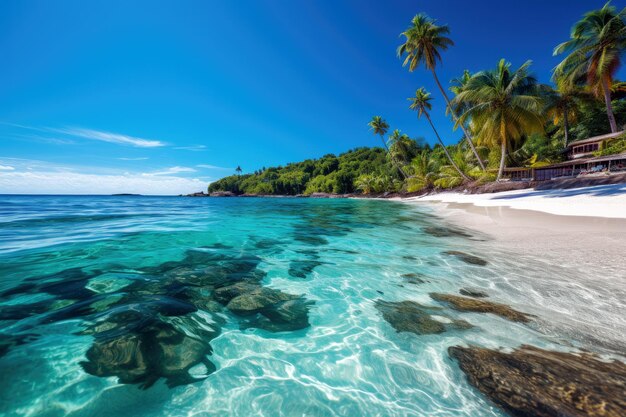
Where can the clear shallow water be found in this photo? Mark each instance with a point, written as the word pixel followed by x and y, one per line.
pixel 126 264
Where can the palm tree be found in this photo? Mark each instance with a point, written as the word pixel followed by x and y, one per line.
pixel 423 172
pixel 424 40
pixel 504 105
pixel 459 83
pixel 401 147
pixel 238 170
pixel 563 104
pixel 380 127
pixel 422 104
pixel 595 50
pixel 365 183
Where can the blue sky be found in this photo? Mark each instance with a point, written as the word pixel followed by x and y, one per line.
pixel 162 97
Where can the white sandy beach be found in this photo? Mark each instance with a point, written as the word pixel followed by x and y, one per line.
pixel 582 227
pixel 599 201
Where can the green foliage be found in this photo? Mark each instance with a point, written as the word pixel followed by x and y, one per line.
pixel 593 122
pixel 538 150
pixel 329 174
pixel 451 175
pixel 486 177
pixel 614 147
pixel 423 171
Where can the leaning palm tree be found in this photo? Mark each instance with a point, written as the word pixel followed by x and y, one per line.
pixel 380 127
pixel 424 40
pixel 422 104
pixel 238 170
pixel 504 105
pixel 595 51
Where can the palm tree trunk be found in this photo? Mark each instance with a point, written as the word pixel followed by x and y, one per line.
pixel 609 107
pixel 393 160
pixel 566 127
pixel 465 177
pixel 455 118
pixel 502 158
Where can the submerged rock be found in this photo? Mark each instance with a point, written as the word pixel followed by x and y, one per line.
pixel 481 306
pixel 310 239
pixel 217 245
pixel 443 231
pixel 415 278
pixel 140 349
pixel 10 341
pixel 257 300
pixel 284 316
pixel 540 383
pixel 67 284
pixel 107 283
pixel 409 316
pixel 470 292
pixel 302 268
pixel 225 294
pixel 466 257
pixel 267 243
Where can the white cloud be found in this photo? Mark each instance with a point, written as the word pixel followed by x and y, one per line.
pixel 92 134
pixel 143 158
pixel 194 148
pixel 54 182
pixel 171 171
pixel 110 137
pixel 6 168
pixel 211 167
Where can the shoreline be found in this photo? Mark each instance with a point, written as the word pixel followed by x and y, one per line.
pixel 558 258
pixel 584 227
pixel 607 201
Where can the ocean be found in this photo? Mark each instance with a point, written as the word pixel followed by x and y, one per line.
pixel 171 306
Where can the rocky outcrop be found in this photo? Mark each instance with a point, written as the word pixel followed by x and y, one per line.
pixel 481 306
pixel 409 316
pixel 415 278
pixel 446 231
pixel 140 348
pixel 532 382
pixel 466 257
pixel 471 292
pixel 323 195
pixel 257 300
pixel 222 194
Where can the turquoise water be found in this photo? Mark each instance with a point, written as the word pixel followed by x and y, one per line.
pixel 112 306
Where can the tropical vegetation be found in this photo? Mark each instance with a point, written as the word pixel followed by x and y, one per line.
pixel 506 116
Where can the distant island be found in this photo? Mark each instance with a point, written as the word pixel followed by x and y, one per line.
pixel 125 194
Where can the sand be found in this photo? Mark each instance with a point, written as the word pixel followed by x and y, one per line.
pixel 598 201
pixel 583 226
